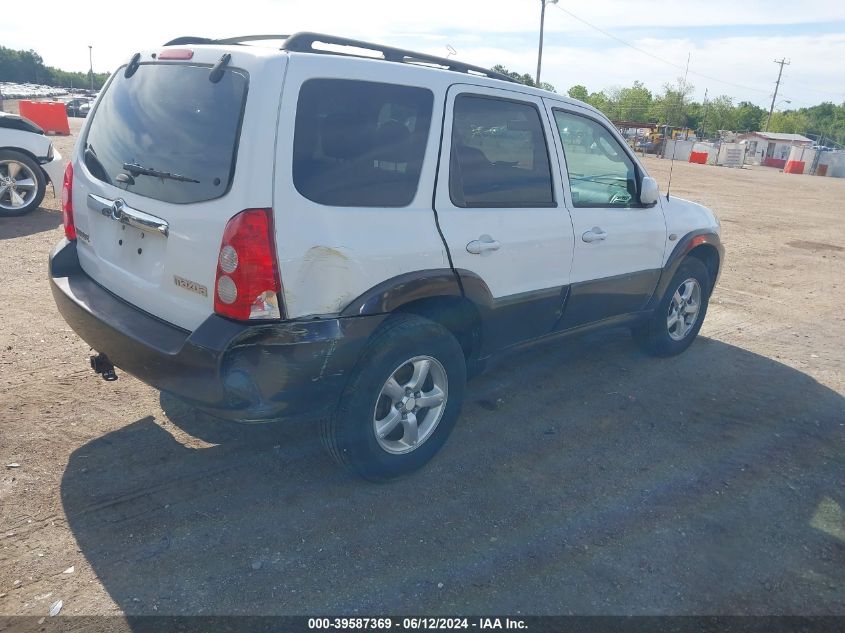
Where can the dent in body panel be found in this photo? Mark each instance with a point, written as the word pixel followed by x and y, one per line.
pixel 299 365
pixel 325 278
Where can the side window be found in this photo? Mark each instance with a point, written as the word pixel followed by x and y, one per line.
pixel 499 155
pixel 601 174
pixel 360 143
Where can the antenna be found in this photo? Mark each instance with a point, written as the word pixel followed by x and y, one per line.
pixel 671 165
pixel 683 88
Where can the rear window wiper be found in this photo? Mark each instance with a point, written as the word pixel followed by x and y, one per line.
pixel 139 170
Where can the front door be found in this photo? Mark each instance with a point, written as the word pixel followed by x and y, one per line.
pixel 500 207
pixel 619 243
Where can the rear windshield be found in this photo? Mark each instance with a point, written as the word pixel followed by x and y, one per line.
pixel 360 143
pixel 169 121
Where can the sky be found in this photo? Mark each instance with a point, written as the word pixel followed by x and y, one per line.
pixel 731 44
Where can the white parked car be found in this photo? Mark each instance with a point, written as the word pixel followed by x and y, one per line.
pixel 28 162
pixel 275 233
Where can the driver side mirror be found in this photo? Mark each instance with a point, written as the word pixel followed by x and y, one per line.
pixel 648 191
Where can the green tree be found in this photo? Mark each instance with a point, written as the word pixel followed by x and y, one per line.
pixel 28 67
pixel 790 122
pixel 748 117
pixel 578 92
pixel 524 78
pixel 672 107
pixel 718 114
pixel 633 103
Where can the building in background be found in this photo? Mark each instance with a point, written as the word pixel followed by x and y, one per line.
pixel 771 148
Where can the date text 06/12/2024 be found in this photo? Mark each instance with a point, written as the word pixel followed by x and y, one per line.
pixel 411 623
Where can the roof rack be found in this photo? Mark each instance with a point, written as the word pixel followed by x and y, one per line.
pixel 303 42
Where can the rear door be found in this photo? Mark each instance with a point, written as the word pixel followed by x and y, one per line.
pixel 167 158
pixel 500 208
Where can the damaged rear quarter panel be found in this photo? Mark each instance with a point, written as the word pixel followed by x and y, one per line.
pixel 296 368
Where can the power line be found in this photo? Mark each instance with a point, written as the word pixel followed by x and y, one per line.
pixel 838 95
pixel 657 57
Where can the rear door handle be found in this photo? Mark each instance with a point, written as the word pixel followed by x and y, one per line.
pixel 484 245
pixel 595 234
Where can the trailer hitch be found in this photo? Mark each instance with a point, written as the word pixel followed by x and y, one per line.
pixel 102 365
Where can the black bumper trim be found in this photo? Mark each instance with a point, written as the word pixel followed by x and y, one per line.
pixel 235 370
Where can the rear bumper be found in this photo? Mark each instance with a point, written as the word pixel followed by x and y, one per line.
pixel 238 371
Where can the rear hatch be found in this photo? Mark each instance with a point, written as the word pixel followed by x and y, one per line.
pixel 167 157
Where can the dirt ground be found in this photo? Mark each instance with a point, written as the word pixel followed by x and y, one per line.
pixel 583 476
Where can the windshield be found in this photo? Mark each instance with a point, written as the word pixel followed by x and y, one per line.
pixel 168 119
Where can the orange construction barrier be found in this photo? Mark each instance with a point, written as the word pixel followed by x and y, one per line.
pixel 698 157
pixel 50 116
pixel 794 167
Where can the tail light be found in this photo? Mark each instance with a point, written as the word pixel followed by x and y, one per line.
pixel 247 284
pixel 67 203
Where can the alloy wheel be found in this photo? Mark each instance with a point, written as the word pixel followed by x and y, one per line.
pixel 18 185
pixel 684 309
pixel 410 405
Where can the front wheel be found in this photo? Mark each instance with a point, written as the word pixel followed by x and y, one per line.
pixel 22 183
pixel 678 317
pixel 402 400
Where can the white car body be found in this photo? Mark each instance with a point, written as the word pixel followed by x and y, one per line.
pixel 322 270
pixel 37 146
pixel 344 194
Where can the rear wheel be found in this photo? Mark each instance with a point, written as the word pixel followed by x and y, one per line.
pixel 678 317
pixel 22 183
pixel 402 401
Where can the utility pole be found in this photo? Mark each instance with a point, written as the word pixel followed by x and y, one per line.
pixel 91 67
pixel 704 116
pixel 783 62
pixel 543 4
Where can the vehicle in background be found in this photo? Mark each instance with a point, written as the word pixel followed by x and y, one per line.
pixel 13 90
pixel 78 107
pixel 28 161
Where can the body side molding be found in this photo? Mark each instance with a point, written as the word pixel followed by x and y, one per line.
pixel 405 288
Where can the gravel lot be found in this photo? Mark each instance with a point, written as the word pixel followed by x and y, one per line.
pixel 583 477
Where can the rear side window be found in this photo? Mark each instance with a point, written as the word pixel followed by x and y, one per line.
pixel 499 155
pixel 360 143
pixel 168 119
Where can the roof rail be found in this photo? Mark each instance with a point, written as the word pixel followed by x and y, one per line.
pixel 190 39
pixel 304 41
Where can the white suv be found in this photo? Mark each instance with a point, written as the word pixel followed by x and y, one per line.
pixel 273 233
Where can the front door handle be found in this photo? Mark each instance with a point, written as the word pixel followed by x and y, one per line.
pixel 484 245
pixel 595 234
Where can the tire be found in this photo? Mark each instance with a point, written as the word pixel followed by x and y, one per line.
pixel 401 350
pixel 22 184
pixel 657 337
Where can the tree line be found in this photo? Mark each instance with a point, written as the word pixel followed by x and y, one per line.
pixel 673 105
pixel 27 67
